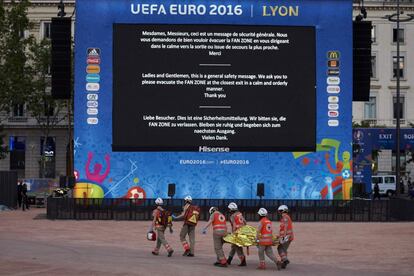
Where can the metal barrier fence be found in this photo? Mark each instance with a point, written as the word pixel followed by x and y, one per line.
pixel 300 210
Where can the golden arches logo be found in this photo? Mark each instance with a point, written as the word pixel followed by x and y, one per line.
pixel 334 54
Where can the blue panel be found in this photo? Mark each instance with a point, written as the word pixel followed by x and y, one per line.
pixel 325 173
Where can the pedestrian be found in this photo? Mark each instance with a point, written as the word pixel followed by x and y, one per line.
pixel 25 201
pixel 159 223
pixel 218 220
pixel 191 215
pixel 19 193
pixel 265 240
pixel 236 220
pixel 410 188
pixel 285 234
pixel 376 192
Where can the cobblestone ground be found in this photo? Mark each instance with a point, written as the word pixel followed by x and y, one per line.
pixel 33 245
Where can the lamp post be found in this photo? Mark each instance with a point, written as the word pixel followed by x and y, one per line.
pixel 397 18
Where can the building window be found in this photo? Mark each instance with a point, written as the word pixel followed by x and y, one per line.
pixel 46 30
pixel 373 66
pixel 23 34
pixel 17 148
pixel 370 109
pixel 374 34
pixel 49 110
pixel 18 110
pixel 398 67
pixel 398 35
pixel 48 148
pixel 402 113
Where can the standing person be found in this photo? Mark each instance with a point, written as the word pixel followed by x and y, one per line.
pixel 376 191
pixel 236 220
pixel 265 240
pixel 159 223
pixel 218 220
pixel 25 201
pixel 19 193
pixel 191 215
pixel 285 234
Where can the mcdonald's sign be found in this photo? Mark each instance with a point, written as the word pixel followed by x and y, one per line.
pixel 333 55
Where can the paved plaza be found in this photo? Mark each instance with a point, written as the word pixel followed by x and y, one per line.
pixel 32 245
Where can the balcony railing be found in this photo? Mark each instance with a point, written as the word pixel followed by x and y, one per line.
pixel 384 122
pixel 17 119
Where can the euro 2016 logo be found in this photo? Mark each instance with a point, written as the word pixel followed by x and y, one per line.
pixel 358 135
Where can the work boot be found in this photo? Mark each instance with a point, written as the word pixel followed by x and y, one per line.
pixel 285 263
pixel 186 252
pixel 279 265
pixel 190 255
pixel 155 253
pixel 243 262
pixel 220 264
pixel 262 266
pixel 170 253
pixel 229 259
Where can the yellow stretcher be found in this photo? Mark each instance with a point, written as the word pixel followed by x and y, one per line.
pixel 246 236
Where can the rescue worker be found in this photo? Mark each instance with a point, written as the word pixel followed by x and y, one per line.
pixel 159 223
pixel 218 220
pixel 265 240
pixel 190 214
pixel 285 234
pixel 236 220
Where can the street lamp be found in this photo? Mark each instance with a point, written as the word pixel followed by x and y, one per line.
pixel 397 18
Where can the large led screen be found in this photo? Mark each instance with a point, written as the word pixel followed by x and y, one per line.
pixel 213 88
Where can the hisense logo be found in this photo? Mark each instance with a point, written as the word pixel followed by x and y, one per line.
pixel 209 149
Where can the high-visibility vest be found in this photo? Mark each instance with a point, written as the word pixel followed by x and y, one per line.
pixel 192 215
pixel 286 227
pixel 157 214
pixel 237 221
pixel 219 224
pixel 266 236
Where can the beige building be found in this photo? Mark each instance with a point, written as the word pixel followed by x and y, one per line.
pixel 380 110
pixel 24 137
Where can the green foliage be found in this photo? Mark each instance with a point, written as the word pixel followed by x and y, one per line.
pixel 24 64
pixel 41 104
pixel 15 68
pixel 363 124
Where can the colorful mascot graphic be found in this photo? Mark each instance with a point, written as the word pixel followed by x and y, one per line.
pixel 339 185
pixel 96 183
pixel 91 187
pixel 342 184
pixel 96 175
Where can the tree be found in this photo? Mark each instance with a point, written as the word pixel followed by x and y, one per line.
pixel 15 68
pixel 24 67
pixel 41 105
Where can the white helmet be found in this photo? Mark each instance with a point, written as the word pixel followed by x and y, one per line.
pixel 232 206
pixel 159 201
pixel 188 198
pixel 262 212
pixel 212 210
pixel 283 208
